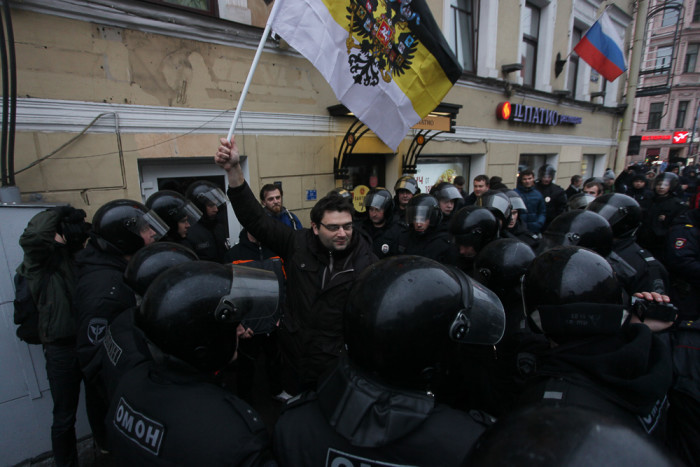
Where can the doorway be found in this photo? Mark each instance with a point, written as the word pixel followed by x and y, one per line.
pixel 178 174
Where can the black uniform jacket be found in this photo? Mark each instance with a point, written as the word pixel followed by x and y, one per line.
pixel 355 420
pixel 100 296
pixel 162 415
pixel 625 375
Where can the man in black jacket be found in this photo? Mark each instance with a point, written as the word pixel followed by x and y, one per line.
pixel 321 264
pixel 554 195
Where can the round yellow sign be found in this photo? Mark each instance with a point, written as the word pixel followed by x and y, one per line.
pixel 358 197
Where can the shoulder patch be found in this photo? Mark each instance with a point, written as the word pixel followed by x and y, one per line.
pixel 114 352
pixel 680 243
pixel 145 432
pixel 96 330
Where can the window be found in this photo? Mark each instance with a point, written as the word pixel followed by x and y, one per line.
pixel 691 58
pixel 655 113
pixel 680 115
pixel 670 17
pixel 208 7
pixel 573 64
pixel 696 12
pixel 530 25
pixel 663 58
pixel 466 22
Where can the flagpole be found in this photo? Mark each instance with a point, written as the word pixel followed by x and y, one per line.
pixel 254 65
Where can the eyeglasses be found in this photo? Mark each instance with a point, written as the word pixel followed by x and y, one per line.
pixel 336 227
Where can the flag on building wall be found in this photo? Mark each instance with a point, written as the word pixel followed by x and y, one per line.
pixel 386 60
pixel 601 48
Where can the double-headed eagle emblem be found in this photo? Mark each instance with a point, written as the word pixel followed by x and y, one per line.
pixel 380 42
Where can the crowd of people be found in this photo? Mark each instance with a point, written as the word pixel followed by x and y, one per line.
pixel 440 328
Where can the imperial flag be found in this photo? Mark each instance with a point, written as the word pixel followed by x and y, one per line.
pixel 386 60
pixel 601 48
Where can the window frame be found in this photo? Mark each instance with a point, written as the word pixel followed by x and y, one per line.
pixel 655 116
pixel 682 113
pixel 473 43
pixel 688 57
pixel 533 41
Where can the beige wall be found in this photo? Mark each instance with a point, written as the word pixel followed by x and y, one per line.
pixel 67 59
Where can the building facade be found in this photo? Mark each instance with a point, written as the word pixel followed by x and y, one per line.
pixel 668 99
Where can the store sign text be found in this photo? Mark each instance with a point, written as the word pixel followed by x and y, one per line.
pixel 534 115
pixel 656 137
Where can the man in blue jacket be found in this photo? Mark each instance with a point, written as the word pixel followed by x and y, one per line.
pixel 536 209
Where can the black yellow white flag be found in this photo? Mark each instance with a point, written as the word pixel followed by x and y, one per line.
pixel 386 60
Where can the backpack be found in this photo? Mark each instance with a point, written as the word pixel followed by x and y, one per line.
pixel 26 313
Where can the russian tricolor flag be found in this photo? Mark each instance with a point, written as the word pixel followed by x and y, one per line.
pixel 601 48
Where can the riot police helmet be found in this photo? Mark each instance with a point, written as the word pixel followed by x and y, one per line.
pixel 423 207
pixel 406 313
pixel 204 193
pixel 570 292
pixel 582 228
pixel 622 212
pixel 406 183
pixel 516 201
pixel 150 261
pixel 445 191
pixel 499 204
pixel 567 437
pixel 473 226
pixel 579 201
pixel 667 179
pixel 173 208
pixel 501 264
pixel 381 199
pixel 191 311
pixel 124 226
pixel 546 171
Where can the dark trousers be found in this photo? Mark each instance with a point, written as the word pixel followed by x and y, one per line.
pixel 64 376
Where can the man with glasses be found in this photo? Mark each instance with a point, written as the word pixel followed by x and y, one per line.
pixel 321 264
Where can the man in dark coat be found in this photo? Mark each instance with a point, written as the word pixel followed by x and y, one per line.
pixel 554 195
pixel 682 255
pixel 321 264
pixel 49 243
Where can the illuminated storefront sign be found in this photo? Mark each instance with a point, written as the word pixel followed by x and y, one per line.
pixel 520 113
pixel 681 137
pixel 656 137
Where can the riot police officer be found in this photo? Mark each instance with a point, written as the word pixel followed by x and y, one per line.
pixel 449 199
pixel 120 229
pixel 177 211
pixel 662 211
pixel 683 260
pixel 124 345
pixel 380 224
pixel 597 360
pixel 423 236
pixel 635 267
pixel 207 237
pixel 171 410
pixel 404 320
pixel 471 229
pixel 405 188
pixel 554 195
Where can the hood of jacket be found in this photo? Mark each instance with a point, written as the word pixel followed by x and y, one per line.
pixel 368 413
pixel 91 259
